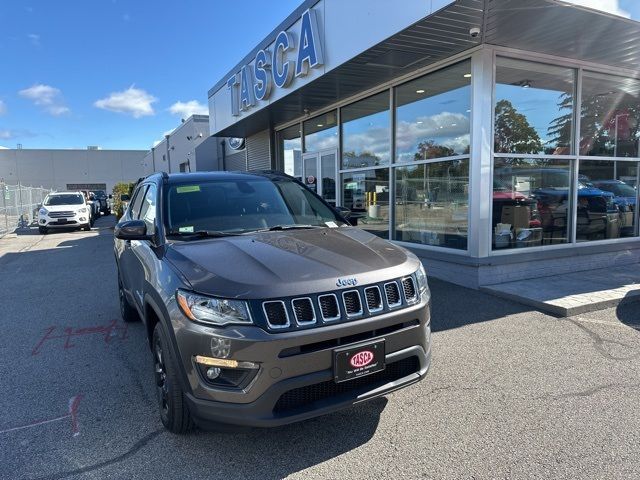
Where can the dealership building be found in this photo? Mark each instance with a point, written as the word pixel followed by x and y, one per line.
pixel 497 139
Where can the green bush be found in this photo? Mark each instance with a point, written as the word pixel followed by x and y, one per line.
pixel 121 188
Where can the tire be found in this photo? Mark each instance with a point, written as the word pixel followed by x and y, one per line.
pixel 43 230
pixel 174 412
pixel 128 313
pixel 87 227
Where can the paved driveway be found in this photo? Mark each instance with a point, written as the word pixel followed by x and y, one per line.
pixel 513 393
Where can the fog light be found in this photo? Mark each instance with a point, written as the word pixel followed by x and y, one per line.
pixel 213 373
pixel 82 219
pixel 43 221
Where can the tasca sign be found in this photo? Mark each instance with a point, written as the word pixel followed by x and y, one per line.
pixel 276 67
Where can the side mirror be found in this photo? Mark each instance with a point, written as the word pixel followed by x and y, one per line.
pixel 344 212
pixel 124 197
pixel 132 230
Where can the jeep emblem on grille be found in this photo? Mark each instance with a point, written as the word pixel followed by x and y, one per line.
pixel 361 359
pixel 347 282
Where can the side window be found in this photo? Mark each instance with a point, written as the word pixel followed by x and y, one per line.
pixel 148 210
pixel 134 208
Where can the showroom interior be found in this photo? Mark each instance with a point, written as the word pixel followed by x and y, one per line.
pixel 477 155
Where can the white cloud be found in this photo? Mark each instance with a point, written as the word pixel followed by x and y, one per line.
pixel 35 39
pixel 3 148
pixel 133 101
pixel 47 97
pixel 609 6
pixel 11 134
pixel 186 109
pixel 445 128
pixel 3 108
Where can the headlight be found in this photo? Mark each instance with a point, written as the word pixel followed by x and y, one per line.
pixel 217 311
pixel 82 210
pixel 44 211
pixel 423 285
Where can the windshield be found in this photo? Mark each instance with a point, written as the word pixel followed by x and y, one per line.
pixel 240 206
pixel 618 189
pixel 64 199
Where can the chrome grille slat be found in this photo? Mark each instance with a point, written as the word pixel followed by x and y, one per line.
pixel 392 292
pixel 275 311
pixel 374 299
pixel 303 311
pixel 352 303
pixel 409 290
pixel 329 308
pixel 60 214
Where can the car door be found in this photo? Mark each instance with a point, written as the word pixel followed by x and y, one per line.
pixel 143 257
pixel 126 258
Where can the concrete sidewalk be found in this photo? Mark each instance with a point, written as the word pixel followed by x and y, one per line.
pixel 574 293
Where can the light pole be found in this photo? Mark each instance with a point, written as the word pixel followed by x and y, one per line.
pixel 168 152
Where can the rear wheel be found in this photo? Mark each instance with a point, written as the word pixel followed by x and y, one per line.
pixel 127 312
pixel 173 408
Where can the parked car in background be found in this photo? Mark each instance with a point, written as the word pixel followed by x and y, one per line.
pixel 64 210
pixel 103 201
pixel 262 305
pixel 625 197
pixel 94 205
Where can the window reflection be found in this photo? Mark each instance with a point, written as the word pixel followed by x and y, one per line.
pixel 321 132
pixel 606 202
pixel 530 202
pixel 366 132
pixel 366 194
pixel 534 108
pixel 610 116
pixel 432 203
pixel 433 115
pixel 291 151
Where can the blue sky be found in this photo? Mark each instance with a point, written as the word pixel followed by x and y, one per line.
pixel 107 72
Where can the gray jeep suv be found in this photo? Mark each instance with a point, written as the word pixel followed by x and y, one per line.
pixel 262 305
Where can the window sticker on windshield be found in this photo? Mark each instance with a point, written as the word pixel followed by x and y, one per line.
pixel 331 224
pixel 186 229
pixel 188 188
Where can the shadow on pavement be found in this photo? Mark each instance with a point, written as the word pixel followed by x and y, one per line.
pixel 628 311
pixel 453 306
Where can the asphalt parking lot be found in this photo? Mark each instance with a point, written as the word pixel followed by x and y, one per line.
pixel 512 393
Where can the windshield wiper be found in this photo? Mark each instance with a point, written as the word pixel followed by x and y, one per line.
pixel 203 233
pixel 286 227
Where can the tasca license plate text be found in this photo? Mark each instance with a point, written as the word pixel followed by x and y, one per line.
pixel 358 361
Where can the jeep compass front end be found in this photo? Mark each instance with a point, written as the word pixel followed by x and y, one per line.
pixel 262 304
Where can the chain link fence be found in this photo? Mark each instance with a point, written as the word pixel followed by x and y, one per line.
pixel 19 206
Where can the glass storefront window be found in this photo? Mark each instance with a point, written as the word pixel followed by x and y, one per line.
pixel 606 200
pixel 610 120
pixel 321 132
pixel 534 108
pixel 366 194
pixel 366 131
pixel 291 150
pixel 531 202
pixel 432 203
pixel 433 115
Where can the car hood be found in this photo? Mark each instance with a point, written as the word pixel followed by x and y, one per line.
pixel 284 263
pixel 63 208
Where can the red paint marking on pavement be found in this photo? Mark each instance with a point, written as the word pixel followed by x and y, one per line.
pixel 74 403
pixel 109 330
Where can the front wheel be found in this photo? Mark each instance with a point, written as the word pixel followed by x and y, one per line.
pixel 174 412
pixel 87 227
pixel 43 230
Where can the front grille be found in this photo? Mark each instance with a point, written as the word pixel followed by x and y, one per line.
pixel 276 313
pixel 374 299
pixel 393 294
pixel 303 310
pixel 329 307
pixel 352 303
pixel 60 214
pixel 409 289
pixel 299 398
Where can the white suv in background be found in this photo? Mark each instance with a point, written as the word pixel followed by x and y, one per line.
pixel 64 210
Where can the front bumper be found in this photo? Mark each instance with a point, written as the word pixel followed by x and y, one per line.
pixel 294 383
pixel 77 220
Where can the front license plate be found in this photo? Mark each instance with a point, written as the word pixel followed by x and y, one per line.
pixel 358 361
pixel 62 220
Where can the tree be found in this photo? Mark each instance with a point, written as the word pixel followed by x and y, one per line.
pixel 513 133
pixel 430 149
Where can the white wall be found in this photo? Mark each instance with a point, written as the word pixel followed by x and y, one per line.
pixel 56 168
